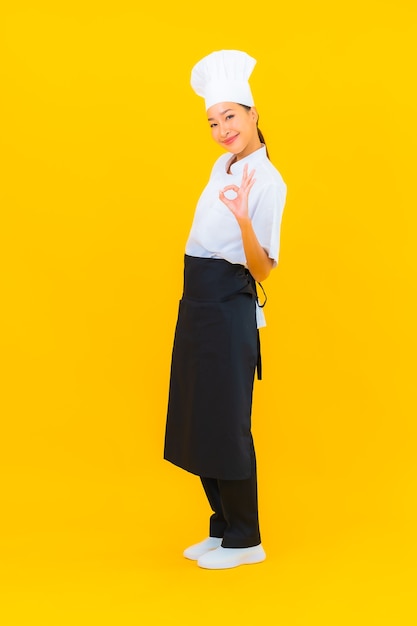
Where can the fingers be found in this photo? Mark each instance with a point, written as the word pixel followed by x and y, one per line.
pixel 246 185
pixel 232 187
pixel 247 178
pixel 247 182
pixel 225 200
pixel 251 184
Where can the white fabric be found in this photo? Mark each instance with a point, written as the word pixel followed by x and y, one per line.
pixel 215 232
pixel 225 558
pixel 223 76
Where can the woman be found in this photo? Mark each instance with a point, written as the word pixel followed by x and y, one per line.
pixel 233 244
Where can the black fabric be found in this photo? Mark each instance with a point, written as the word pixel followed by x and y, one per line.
pixel 215 353
pixel 235 510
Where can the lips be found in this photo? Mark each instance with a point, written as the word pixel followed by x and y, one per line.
pixel 230 140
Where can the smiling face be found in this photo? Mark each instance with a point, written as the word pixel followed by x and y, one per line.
pixel 234 128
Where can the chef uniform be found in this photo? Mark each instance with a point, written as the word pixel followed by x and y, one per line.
pixel 216 345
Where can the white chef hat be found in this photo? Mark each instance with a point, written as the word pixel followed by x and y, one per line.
pixel 223 77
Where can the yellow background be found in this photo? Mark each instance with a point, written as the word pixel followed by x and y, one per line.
pixel 104 151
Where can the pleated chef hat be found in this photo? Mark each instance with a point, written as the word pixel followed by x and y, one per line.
pixel 223 77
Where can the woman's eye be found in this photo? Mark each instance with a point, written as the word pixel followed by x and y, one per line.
pixel 213 125
pixel 229 117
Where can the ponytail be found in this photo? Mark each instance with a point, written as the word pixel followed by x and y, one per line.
pixel 262 140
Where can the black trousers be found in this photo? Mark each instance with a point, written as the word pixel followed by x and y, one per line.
pixel 235 509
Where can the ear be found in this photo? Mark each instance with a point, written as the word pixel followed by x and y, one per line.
pixel 255 115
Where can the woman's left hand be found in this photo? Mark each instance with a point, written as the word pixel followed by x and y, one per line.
pixel 239 205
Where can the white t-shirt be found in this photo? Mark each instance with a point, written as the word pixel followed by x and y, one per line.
pixel 215 232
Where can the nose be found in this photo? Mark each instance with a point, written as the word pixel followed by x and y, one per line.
pixel 224 131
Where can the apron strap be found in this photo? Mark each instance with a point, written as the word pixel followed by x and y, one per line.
pixel 261 306
pixel 259 363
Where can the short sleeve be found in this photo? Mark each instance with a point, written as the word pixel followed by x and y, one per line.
pixel 267 217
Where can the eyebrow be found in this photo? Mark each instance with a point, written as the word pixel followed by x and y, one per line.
pixel 210 119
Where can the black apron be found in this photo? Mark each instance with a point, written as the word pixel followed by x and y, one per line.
pixel 215 354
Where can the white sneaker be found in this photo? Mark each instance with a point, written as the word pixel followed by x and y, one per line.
pixel 198 549
pixel 224 558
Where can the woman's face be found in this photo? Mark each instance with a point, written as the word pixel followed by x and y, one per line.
pixel 234 128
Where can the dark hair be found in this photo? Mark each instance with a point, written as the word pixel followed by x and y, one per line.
pixel 260 135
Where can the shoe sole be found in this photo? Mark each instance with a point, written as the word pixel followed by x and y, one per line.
pixel 246 561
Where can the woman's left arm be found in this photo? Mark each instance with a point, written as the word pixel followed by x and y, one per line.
pixel 257 260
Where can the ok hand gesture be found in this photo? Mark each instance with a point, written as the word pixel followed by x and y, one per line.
pixel 239 205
